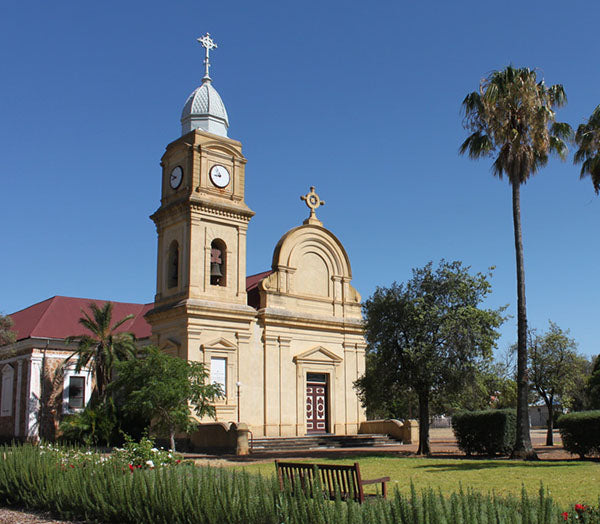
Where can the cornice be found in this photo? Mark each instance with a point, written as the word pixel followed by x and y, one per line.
pixel 224 209
pixel 281 317
pixel 205 309
pixel 215 208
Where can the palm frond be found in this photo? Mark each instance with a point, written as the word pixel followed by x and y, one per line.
pixel 476 145
pixel 121 322
pixel 562 131
pixel 587 138
pixel 559 147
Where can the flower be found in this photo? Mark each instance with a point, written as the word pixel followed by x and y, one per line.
pixel 150 463
pixel 565 515
pixel 131 467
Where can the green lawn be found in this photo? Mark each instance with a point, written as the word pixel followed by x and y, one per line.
pixel 567 481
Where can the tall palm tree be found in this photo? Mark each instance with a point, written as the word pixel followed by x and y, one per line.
pixel 512 119
pixel 588 154
pixel 103 347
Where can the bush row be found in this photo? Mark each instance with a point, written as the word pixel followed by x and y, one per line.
pixel 489 432
pixel 580 432
pixel 100 493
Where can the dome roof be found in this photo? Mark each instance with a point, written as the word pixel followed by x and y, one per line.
pixel 205 110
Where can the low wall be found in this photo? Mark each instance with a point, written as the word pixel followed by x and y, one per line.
pixel 407 432
pixel 220 437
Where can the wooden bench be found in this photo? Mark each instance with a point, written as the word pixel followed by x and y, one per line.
pixel 336 479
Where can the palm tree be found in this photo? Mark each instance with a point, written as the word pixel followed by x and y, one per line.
pixel 588 140
pixel 512 119
pixel 103 347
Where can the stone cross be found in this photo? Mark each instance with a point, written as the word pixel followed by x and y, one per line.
pixel 207 43
pixel 313 201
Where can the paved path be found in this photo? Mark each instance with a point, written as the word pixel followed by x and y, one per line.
pixel 442 441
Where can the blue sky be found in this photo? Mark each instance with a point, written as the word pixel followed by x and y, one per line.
pixel 360 100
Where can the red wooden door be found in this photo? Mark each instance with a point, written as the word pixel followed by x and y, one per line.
pixel 316 407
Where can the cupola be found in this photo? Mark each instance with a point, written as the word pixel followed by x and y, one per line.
pixel 204 108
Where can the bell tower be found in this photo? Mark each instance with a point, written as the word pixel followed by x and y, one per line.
pixel 201 224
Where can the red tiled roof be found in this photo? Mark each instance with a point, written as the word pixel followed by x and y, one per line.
pixel 58 317
pixel 253 280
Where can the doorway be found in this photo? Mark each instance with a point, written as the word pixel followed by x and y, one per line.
pixel 317 405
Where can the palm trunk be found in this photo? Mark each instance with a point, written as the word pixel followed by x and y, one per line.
pixel 424 448
pixel 523 448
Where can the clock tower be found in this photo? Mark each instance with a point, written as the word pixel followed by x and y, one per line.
pixel 200 309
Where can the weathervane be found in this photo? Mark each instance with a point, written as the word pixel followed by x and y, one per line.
pixel 313 201
pixel 208 44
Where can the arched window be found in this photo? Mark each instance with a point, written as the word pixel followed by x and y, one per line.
pixel 173 265
pixel 218 263
pixel 8 374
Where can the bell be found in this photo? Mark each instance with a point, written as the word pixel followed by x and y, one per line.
pixel 215 270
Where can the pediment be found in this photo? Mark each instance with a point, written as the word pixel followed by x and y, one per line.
pixel 220 343
pixel 318 354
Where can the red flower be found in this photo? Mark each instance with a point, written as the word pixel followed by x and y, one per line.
pixel 131 467
pixel 177 461
pixel 139 466
pixel 565 515
pixel 580 507
pixel 71 466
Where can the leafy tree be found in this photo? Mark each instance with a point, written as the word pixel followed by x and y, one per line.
pixel 577 397
pixel 103 347
pixel 426 335
pixel 7 336
pixel 553 365
pixel 396 402
pixel 512 119
pixel 485 388
pixel 593 385
pixel 162 388
pixel 588 154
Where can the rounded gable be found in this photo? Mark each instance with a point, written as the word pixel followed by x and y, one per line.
pixel 316 240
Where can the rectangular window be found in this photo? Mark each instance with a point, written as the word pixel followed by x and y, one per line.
pixel 7 391
pixel 76 392
pixel 218 373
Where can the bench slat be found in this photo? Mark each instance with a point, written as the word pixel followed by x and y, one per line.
pixel 334 478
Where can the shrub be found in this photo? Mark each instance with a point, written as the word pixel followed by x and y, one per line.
pixel 580 432
pixel 489 432
pixel 99 491
pixel 95 425
pixel 143 454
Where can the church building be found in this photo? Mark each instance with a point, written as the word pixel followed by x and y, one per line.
pixel 286 344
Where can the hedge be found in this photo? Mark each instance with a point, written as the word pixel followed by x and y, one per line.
pixel 580 432
pixel 488 432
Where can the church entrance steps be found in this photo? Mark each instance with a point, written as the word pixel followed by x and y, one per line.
pixel 316 442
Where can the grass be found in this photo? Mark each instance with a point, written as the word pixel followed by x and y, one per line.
pixel 568 482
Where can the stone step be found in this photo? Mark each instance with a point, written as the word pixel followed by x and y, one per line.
pixel 268 444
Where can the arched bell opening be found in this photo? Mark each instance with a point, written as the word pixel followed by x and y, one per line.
pixel 173 265
pixel 218 263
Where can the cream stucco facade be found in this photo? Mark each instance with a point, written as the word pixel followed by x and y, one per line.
pixel 287 351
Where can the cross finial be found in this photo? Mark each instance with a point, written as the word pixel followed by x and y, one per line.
pixel 313 201
pixel 207 43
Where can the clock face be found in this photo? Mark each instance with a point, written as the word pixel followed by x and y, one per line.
pixel 176 177
pixel 219 176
